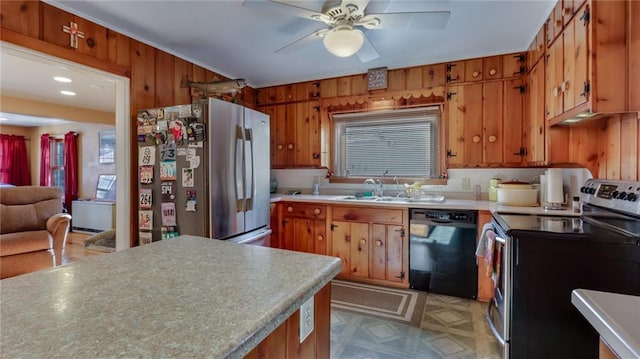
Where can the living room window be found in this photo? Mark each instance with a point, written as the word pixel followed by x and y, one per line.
pixel 57 162
pixel 401 143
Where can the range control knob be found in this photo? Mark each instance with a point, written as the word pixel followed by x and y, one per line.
pixel 615 194
pixel 632 197
pixel 583 189
pixel 622 196
pixel 592 190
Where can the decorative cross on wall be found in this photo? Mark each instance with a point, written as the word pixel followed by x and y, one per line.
pixel 74 33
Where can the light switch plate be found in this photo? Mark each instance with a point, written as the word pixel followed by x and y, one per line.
pixel 306 319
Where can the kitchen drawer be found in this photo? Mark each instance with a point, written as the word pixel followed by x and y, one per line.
pixel 371 215
pixel 304 210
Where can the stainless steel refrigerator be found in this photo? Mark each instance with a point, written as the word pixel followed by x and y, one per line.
pixel 203 170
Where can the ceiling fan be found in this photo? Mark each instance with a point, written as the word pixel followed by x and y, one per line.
pixel 343 37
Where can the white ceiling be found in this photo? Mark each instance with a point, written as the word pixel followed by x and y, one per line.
pixel 240 42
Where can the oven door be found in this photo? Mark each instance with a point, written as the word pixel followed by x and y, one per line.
pixel 499 308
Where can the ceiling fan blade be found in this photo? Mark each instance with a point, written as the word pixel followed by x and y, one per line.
pixel 416 20
pixel 316 35
pixel 285 8
pixel 367 52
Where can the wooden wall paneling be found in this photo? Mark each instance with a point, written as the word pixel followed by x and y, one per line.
pixel 613 147
pixel 142 76
pixel 165 86
pixel 322 318
pixel 358 85
pixel 95 41
pixel 295 349
pixel 396 80
pixel 181 68
pixel 433 75
pixel 343 86
pixel 492 119
pixel 492 67
pixel 313 140
pixel 583 149
pixel 302 91
pixel 629 147
pixel 558 142
pixel 119 48
pixel 633 33
pixel 212 76
pixel 284 93
pixel 473 70
pixel 52 21
pixel 414 78
pixel 329 88
pixel 198 74
pixel 21 16
pixel 455 121
pixel 512 126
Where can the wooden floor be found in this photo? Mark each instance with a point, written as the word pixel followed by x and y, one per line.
pixel 75 248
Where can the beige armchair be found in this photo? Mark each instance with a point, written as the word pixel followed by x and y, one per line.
pixel 33 229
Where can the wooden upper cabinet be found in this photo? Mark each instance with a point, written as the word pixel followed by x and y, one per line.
pixel 492 117
pixel 413 76
pixel 473 70
pixel 534 119
pixel 343 86
pixel 396 80
pixel 514 65
pixel 433 75
pixel 536 49
pixel 492 67
pixel 358 84
pixel 455 72
pixel 554 23
pixel 512 125
pixel 329 87
pixel 634 59
pixel 52 21
pixel 464 125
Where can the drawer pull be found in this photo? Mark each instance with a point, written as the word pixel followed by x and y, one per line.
pixel 493 72
pixel 378 243
pixel 320 238
pixel 363 241
pixel 290 146
pixel 316 211
pixel 289 209
pixel 280 147
pixel 475 74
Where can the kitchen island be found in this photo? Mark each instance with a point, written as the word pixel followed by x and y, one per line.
pixel 181 297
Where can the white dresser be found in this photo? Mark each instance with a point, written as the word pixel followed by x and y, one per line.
pixel 93 216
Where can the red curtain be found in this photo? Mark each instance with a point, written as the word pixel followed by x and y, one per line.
pixel 14 163
pixel 45 160
pixel 70 168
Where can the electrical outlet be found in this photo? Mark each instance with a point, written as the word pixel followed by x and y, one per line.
pixel 306 319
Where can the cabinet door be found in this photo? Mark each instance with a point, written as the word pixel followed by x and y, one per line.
pixel 395 250
pixel 512 124
pixel 319 237
pixel 492 115
pixel 554 74
pixel 473 70
pixel 359 233
pixel 303 235
pixel 278 136
pixel 288 234
pixel 341 244
pixel 579 75
pixel 492 68
pixel 464 125
pixel 378 252
pixel 534 127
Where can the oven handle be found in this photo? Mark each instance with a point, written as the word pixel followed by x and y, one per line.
pixel 500 240
pixel 492 325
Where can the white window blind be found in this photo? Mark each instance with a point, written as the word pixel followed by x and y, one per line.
pixel 400 143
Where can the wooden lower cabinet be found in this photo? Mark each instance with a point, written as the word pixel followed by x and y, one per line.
pixel 303 227
pixel 371 243
pixel 284 341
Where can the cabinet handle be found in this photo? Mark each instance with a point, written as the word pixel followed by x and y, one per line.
pixel 289 209
pixel 476 139
pixel 290 146
pixel 492 138
pixel 567 11
pixel 280 147
pixel 475 74
pixel 363 241
pixel 556 91
pixel 378 243
pixel 316 211
pixel 492 72
pixel 320 238
pixel 559 23
pixel 564 86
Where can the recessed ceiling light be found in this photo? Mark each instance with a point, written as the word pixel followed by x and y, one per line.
pixel 68 93
pixel 62 79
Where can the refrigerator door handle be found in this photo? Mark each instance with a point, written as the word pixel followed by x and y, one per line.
pixel 239 170
pixel 249 175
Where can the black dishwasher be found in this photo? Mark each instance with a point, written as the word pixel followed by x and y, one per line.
pixel 442 245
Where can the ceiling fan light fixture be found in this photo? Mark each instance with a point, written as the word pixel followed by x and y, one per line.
pixel 343 42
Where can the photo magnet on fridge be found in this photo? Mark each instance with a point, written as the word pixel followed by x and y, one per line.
pixel 168 191
pixel 190 205
pixel 168 152
pixel 145 220
pixel 145 237
pixel 146 174
pixel 187 177
pixel 196 132
pixel 168 213
pixel 146 198
pixel 147 155
pixel 168 171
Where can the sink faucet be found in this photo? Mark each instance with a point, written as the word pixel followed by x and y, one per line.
pixel 377 188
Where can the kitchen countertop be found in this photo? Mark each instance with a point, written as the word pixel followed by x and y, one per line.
pixel 462 204
pixel 182 297
pixel 616 317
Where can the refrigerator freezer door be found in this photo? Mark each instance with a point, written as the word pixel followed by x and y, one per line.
pixel 257 169
pixel 226 182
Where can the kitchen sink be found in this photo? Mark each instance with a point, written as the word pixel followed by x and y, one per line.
pixel 371 199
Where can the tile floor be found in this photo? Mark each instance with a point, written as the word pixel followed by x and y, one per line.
pixel 451 328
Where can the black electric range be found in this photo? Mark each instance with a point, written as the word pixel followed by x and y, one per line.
pixel 545 257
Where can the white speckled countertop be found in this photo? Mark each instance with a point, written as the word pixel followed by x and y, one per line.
pixel 467 204
pixel 184 297
pixel 616 317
